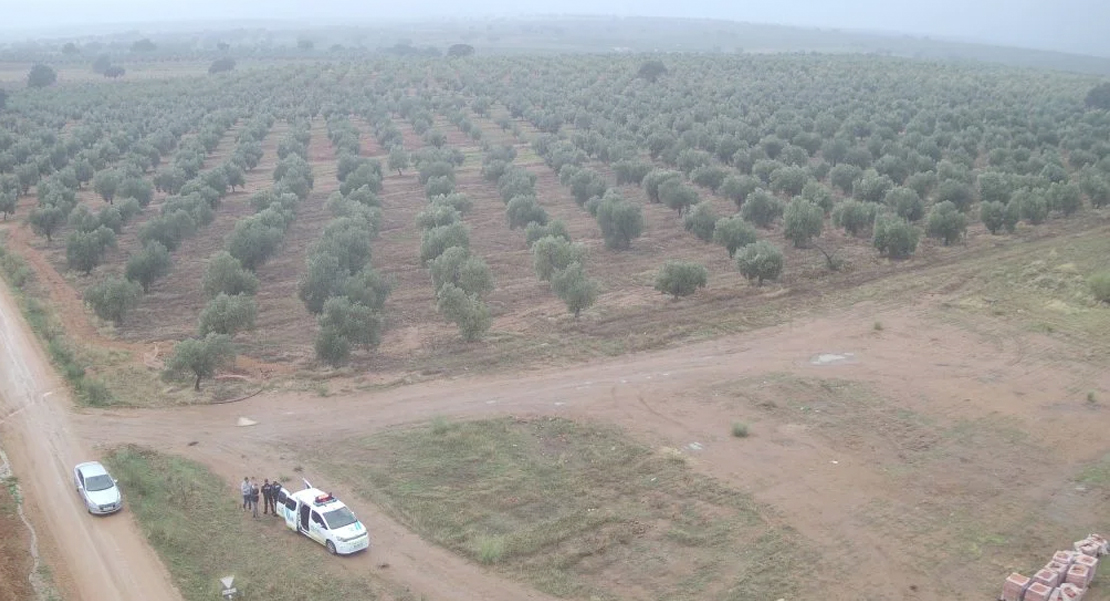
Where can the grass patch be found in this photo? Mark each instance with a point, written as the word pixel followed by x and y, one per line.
pixel 740 429
pixel 1100 286
pixel 1044 289
pixel 571 508
pixel 1095 475
pixel 21 281
pixel 192 519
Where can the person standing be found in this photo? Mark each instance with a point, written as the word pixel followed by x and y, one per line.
pixel 245 488
pixel 275 487
pixel 254 498
pixel 267 491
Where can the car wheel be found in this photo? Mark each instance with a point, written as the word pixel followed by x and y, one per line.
pixel 331 547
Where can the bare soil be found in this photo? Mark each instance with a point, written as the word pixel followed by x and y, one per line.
pixel 935 458
pixel 16 562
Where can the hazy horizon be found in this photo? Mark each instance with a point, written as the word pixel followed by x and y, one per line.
pixel 1077 26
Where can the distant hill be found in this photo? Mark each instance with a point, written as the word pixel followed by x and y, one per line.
pixel 566 34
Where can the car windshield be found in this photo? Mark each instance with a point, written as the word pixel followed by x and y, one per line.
pixel 101 482
pixel 338 518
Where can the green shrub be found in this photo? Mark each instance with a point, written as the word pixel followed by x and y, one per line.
pixel 113 298
pixel 761 208
pixel 681 278
pixel 1100 286
pixel 760 261
pixel 946 223
pixel 575 288
pixel 701 220
pixel 620 222
pixel 227 315
pixel 894 237
pixel 802 221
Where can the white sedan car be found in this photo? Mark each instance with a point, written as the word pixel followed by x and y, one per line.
pixel 97 489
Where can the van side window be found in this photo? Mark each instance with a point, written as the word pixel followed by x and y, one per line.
pixel 281 497
pixel 319 520
pixel 291 504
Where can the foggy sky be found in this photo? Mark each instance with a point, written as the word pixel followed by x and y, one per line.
pixel 1067 25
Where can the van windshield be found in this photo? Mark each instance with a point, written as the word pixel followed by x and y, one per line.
pixel 338 518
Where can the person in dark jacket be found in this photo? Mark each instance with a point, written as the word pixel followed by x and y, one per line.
pixel 275 487
pixel 267 498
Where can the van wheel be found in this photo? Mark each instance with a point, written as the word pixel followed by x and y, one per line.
pixel 331 547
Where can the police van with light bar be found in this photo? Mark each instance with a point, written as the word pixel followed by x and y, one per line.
pixel 323 518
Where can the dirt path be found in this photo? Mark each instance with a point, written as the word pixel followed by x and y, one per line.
pixel 91 558
pixel 816 483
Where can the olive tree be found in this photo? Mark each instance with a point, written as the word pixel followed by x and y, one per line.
pixel 226 275
pixel 677 195
pixel 575 288
pixel 437 215
pixel 113 298
pixel 201 358
pixel 8 203
pixel 368 288
pixel 802 221
pixel 620 222
pixel 85 250
pixel 906 203
pixel 855 216
pixel 551 254
pixel 398 160
pixel 228 315
pixel 760 261
pixel 733 233
pixel 438 239
pixel 993 215
pixel 149 265
pixel 946 223
pixel 458 267
pixel 332 347
pixel 361 325
pixel 737 188
pixel 681 278
pixel 41 76
pixel 701 220
pixel 523 210
pixel 467 311
pixel 762 208
pixel 47 220
pixel 323 278
pixel 106 183
pixel 894 237
pixel 534 231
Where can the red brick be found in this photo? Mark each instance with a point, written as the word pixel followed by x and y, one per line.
pixel 1038 592
pixel 1090 562
pixel 1014 588
pixel 1065 557
pixel 1070 592
pixel 1079 575
pixel 1048 578
pixel 1059 568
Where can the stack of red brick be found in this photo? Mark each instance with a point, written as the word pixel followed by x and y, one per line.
pixel 1065 578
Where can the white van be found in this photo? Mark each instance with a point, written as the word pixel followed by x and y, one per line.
pixel 323 518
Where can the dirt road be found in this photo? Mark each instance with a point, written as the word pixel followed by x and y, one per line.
pixel 91 558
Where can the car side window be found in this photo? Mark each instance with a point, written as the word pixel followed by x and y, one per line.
pixel 290 504
pixel 318 520
pixel 81 479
